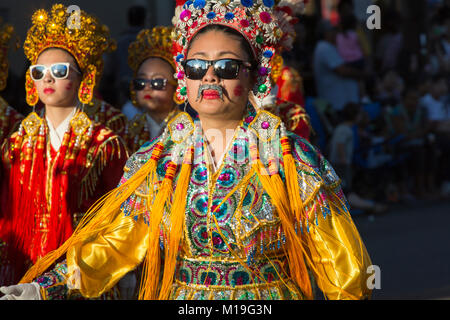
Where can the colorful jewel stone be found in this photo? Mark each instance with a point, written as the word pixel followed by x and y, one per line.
pixel 187 4
pixel 265 125
pixel 211 15
pixel 199 4
pixel 268 3
pixel 179 57
pixel 262 88
pixel 244 23
pixel 265 17
pixel 229 15
pixel 185 15
pixel 183 91
pixel 262 71
pixel 247 3
pixel 180 126
pixel 180 75
pixel 268 54
pixel 259 39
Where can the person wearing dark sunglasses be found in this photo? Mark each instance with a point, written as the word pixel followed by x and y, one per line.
pixel 152 89
pixel 228 206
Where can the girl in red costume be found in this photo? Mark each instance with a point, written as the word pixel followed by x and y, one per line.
pixel 59 161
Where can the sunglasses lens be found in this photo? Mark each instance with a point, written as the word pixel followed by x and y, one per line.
pixel 37 72
pixel 226 68
pixel 223 68
pixel 138 84
pixel 158 84
pixel 59 71
pixel 195 69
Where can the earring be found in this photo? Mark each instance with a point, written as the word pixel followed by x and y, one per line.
pixel 86 90
pixel 31 92
pixel 176 99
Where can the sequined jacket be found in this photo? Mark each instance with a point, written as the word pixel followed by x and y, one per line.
pixel 45 192
pixel 233 250
pixel 137 131
pixel 104 113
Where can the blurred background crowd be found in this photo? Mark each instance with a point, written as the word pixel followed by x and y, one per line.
pixel 377 98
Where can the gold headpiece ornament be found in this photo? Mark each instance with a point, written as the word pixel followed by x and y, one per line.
pixel 6 33
pixel 78 33
pixel 156 42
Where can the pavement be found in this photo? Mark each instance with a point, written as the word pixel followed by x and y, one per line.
pixel 410 243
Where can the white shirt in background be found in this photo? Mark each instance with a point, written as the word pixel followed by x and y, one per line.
pixel 436 109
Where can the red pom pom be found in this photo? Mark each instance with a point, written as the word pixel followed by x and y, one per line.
pixel 180 2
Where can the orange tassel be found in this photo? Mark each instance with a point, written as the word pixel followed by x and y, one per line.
pixel 275 188
pixel 291 175
pixel 152 264
pixel 177 214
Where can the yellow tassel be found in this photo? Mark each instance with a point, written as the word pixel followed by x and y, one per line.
pixel 101 215
pixel 275 188
pixel 290 172
pixel 177 214
pixel 150 278
pixel 300 241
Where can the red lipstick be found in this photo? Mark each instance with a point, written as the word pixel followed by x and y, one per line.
pixel 210 94
pixel 147 97
pixel 49 90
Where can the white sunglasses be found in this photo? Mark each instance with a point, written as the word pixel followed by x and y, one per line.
pixel 58 70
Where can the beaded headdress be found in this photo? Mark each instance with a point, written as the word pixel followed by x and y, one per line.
pixel 254 19
pixel 285 12
pixel 6 33
pixel 156 42
pixel 79 33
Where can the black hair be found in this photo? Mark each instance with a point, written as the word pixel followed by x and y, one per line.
pixel 75 60
pixel 245 45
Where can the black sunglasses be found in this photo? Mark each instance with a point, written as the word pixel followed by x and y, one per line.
pixel 155 84
pixel 195 69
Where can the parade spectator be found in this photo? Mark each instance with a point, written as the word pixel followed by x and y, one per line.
pixel 408 121
pixel 389 88
pixel 391 43
pixel 348 43
pixel 341 156
pixel 436 102
pixel 336 82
